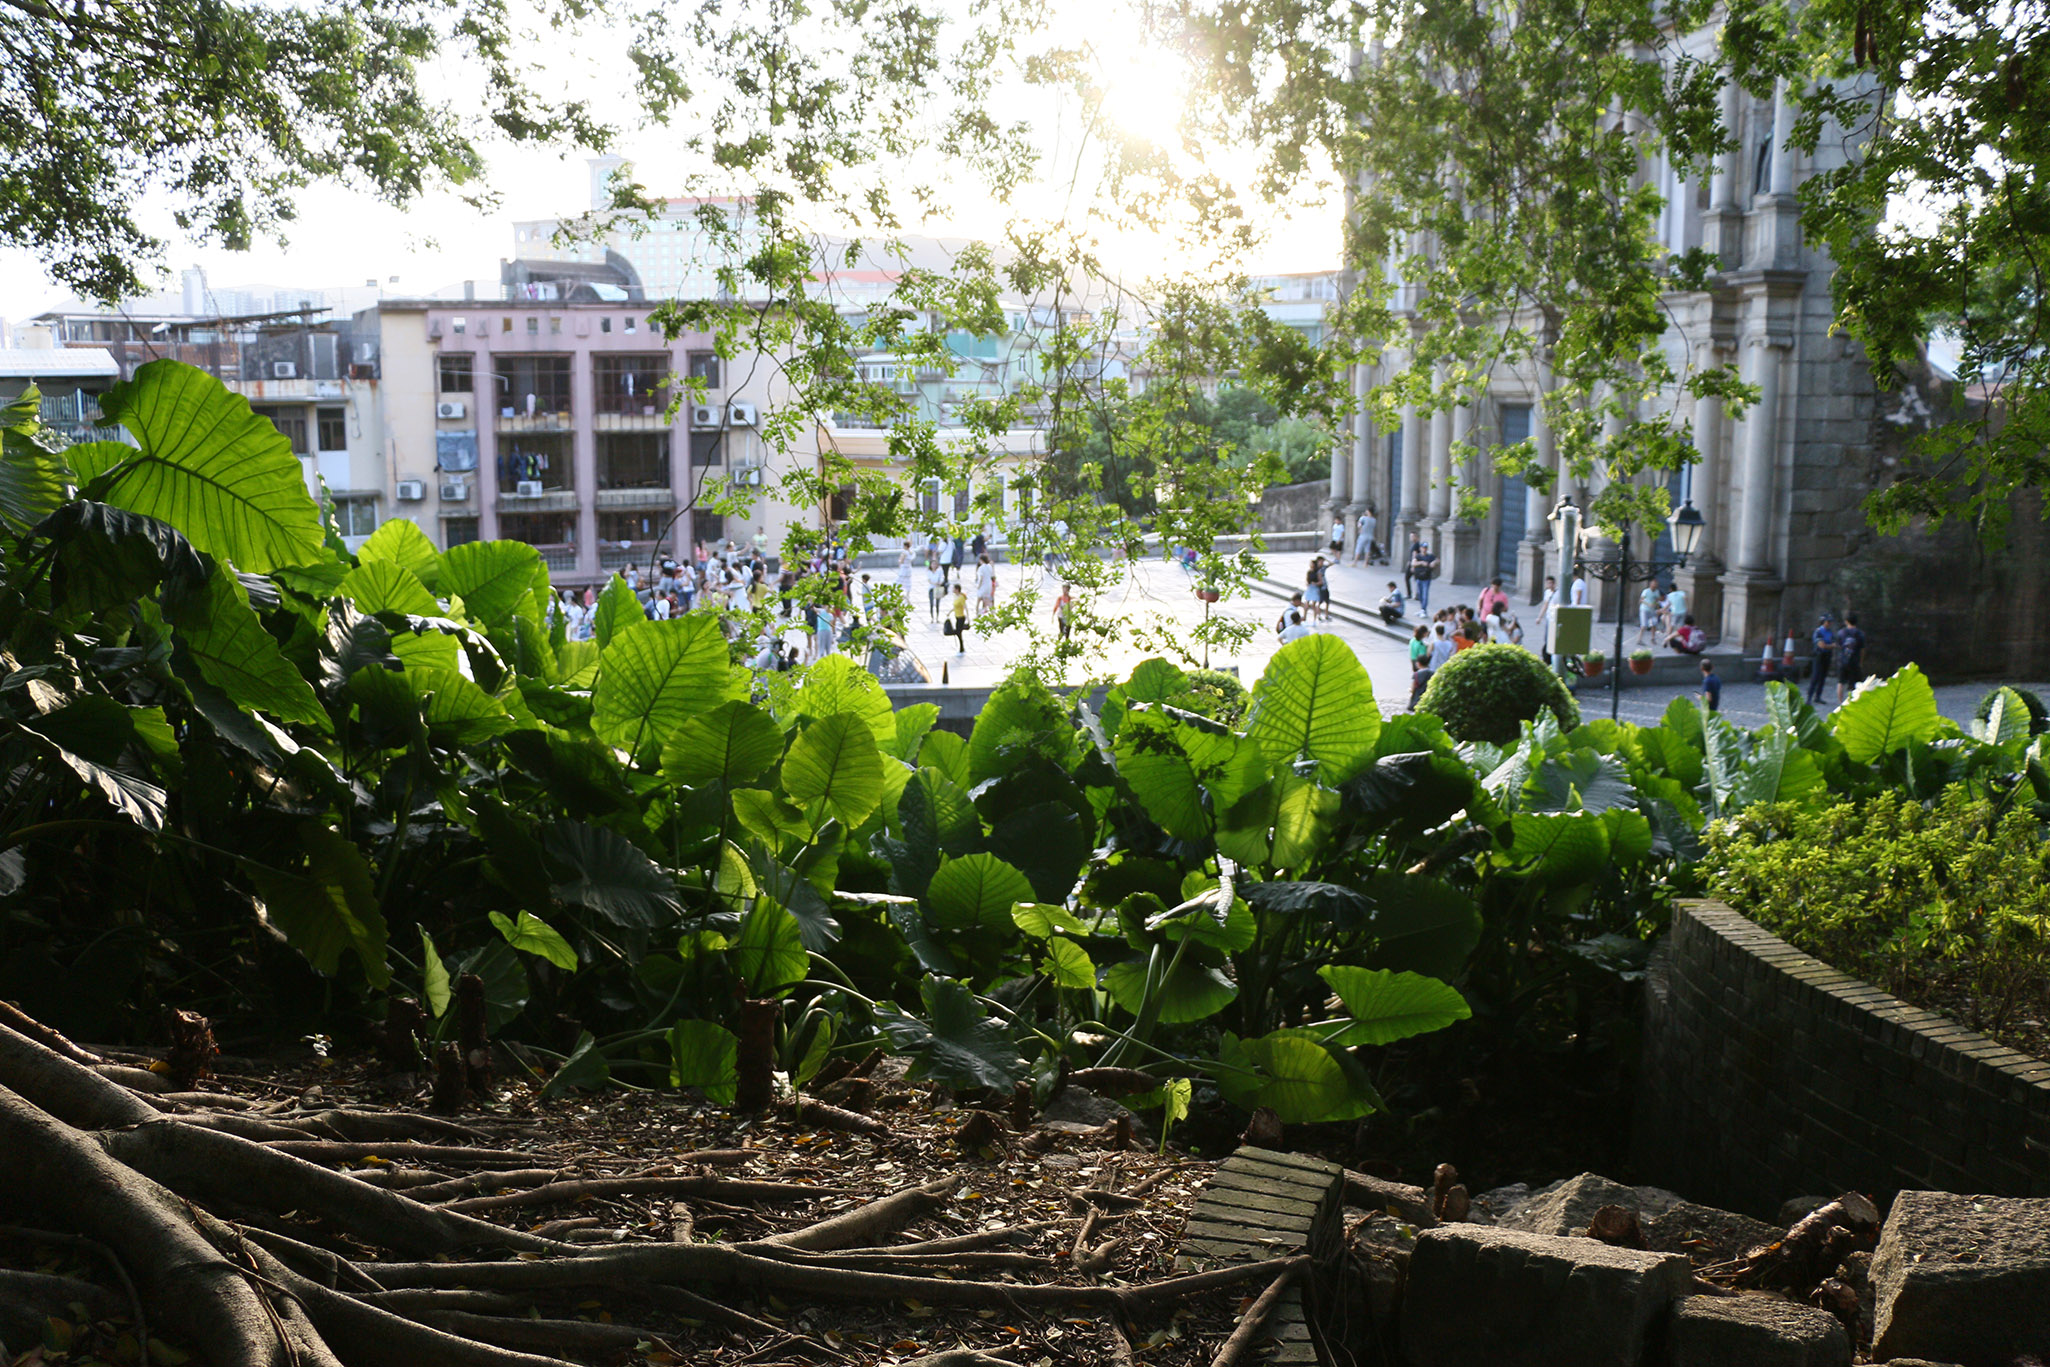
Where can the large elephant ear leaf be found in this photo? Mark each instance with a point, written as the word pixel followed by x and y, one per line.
pixel 32 473
pixel 610 875
pixel 955 1043
pixel 731 744
pixel 618 608
pixel 834 768
pixel 1883 717
pixel 234 653
pixel 837 684
pixel 492 577
pixel 1386 1007
pixel 1303 1079
pixel 329 909
pixel 387 586
pixel 1315 700
pixel 656 676
pixel 206 464
pixel 402 543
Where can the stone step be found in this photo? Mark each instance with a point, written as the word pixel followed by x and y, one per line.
pixel 1260 1204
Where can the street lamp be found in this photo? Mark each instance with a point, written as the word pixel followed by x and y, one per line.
pixel 1686 525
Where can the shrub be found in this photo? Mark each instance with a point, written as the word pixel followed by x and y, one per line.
pixel 1216 695
pixel 1488 692
pixel 1946 905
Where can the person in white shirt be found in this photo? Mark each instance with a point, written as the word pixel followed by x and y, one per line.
pixel 1676 608
pixel 935 583
pixel 1647 613
pixel 1578 594
pixel 661 607
pixel 985 587
pixel 1545 606
pixel 1363 548
pixel 1296 628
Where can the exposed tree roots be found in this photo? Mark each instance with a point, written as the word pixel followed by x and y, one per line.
pixel 225 1225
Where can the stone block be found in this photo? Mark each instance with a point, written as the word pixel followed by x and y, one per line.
pixel 1963 1279
pixel 1485 1297
pixel 1758 1331
pixel 1669 1223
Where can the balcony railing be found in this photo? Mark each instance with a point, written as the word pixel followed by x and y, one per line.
pixel 617 555
pixel 559 558
pixel 556 421
pixel 656 496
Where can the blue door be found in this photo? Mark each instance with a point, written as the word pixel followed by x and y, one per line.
pixel 1509 527
pixel 1388 514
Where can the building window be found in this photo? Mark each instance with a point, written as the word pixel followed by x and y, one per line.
pixel 929 497
pixel 332 429
pixel 604 325
pixel 629 325
pixel 707 528
pixel 459 326
pixel 555 325
pixel 961 501
pixel 633 460
pixel 704 448
pixel 630 526
pixel 292 426
pixel 704 365
pixel 355 516
pixel 458 374
pixel 541 458
pixel 631 384
pixel 505 325
pixel 542 379
pixel 539 529
pixel 458 531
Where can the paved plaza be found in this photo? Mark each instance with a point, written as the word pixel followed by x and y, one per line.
pixel 1159 597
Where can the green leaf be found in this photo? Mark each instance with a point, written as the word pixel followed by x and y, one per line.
pixel 956 1043
pixel 1021 721
pixel 619 607
pixel 1559 849
pixel 837 685
pixel 493 578
pixel 946 753
pixel 1294 1073
pixel 1579 780
pixel 1175 1096
pixel 1315 699
pixel 2006 720
pixel 1161 777
pixel 768 952
pixel 912 723
pixel 1068 965
pixel 386 586
pixel 454 709
pixel 732 744
pixel 434 984
pixel 32 473
pixel 1040 920
pixel 207 465
pixel 535 936
pixel 497 965
pixel 1191 992
pixel 1777 771
pixel 1046 842
pixel 585 1068
pixel 610 875
pixel 976 891
pixel 705 1056
pixel 834 767
pixel 1156 680
pixel 1386 1007
pixel 1420 923
pixel 400 542
pixel 234 653
pixel 1303 812
pixel 1883 717
pixel 330 908
pixel 766 815
pixel 655 677
pixel 107 556
pixel 138 799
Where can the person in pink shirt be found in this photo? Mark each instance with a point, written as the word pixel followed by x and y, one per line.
pixel 1492 600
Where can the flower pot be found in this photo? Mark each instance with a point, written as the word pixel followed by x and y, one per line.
pixel 1593 668
pixel 1640 666
pixel 1207 595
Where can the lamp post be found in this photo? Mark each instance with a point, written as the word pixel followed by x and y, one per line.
pixel 1686 525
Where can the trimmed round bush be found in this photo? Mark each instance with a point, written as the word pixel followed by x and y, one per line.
pixel 1216 695
pixel 2039 718
pixel 1489 692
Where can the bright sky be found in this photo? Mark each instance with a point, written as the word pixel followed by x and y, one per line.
pixel 344 238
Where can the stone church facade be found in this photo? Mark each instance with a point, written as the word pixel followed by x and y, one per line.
pixel 1781 487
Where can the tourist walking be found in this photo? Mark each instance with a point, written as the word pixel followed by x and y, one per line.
pixel 1647 614
pixel 935 583
pixel 1337 546
pixel 1064 610
pixel 1711 687
pixel 1850 656
pixel 985 586
pixel 1313 590
pixel 1365 550
pixel 959 609
pixel 1824 641
pixel 1546 604
pixel 1423 568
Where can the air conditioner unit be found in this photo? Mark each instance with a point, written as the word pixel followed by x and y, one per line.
pixel 411 490
pixel 284 370
pixel 741 414
pixel 706 415
pixel 527 488
pixel 450 408
pixel 752 475
pixel 454 491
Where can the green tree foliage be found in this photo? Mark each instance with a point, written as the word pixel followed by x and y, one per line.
pixel 1938 223
pixel 1488 692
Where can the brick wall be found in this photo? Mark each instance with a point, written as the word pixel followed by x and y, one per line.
pixel 1767 1074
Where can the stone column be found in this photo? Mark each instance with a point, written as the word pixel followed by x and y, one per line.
pixel 1363 437
pixel 1782 182
pixel 1341 484
pixel 1439 463
pixel 1700 578
pixel 1779 229
pixel 1534 550
pixel 1409 522
pixel 1723 232
pixel 1462 548
pixel 1752 589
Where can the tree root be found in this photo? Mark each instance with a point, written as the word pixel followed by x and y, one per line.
pixel 572 1336
pixel 577 1189
pixel 336 1151
pixel 1254 1322
pixel 52 1295
pixel 868 1224
pixel 963 1243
